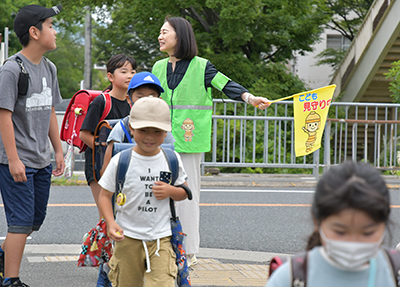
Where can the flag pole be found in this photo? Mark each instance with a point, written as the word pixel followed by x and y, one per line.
pixel 292 96
pixel 282 99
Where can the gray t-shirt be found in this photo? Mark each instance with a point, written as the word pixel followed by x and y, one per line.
pixel 31 112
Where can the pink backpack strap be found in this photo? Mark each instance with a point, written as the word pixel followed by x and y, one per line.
pixel 394 260
pixel 107 106
pixel 299 269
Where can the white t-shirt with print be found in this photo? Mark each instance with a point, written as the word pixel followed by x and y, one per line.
pixel 142 217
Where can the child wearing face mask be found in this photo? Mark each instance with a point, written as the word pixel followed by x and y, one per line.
pixel 350 212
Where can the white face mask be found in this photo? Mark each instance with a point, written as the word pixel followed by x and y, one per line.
pixel 349 254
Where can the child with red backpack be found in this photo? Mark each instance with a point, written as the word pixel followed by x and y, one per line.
pixel 350 211
pixel 120 70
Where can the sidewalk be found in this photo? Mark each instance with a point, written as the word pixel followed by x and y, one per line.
pixel 274 181
pixel 55 265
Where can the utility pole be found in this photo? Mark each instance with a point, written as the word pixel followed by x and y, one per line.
pixel 87 79
pixel 6 42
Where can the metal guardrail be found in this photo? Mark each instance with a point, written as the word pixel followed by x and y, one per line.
pixel 245 137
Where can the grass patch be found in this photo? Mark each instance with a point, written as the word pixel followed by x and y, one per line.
pixel 62 181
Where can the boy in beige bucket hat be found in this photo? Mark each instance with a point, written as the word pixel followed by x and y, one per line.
pixel 141 229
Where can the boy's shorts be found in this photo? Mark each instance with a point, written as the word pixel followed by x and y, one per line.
pixel 128 264
pixel 25 203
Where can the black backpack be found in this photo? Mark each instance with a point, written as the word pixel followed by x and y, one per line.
pixel 299 266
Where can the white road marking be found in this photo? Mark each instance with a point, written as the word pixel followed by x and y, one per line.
pixel 257 190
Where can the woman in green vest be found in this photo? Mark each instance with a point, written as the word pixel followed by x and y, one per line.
pixel 187 80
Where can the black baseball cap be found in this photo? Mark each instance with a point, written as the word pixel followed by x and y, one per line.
pixel 30 15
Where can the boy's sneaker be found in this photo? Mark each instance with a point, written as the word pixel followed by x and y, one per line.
pixel 191 260
pixel 103 280
pixel 1 267
pixel 17 283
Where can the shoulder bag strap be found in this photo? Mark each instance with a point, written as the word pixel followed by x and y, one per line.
pixel 299 269
pixel 107 105
pixel 174 168
pixel 47 61
pixel 172 163
pixel 123 164
pixel 394 259
pixel 23 80
pixel 127 135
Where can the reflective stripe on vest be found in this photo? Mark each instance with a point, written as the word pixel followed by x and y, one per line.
pixel 190 107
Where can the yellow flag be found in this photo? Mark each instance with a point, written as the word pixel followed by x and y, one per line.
pixel 310 113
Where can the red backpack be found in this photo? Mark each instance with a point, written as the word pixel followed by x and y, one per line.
pixel 75 114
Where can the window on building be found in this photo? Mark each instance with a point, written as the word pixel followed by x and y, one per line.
pixel 337 42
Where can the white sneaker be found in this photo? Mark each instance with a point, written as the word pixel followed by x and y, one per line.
pixel 398 247
pixel 191 260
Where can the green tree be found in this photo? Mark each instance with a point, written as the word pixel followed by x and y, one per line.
pixel 346 18
pixel 249 41
pixel 68 58
pixel 69 54
pixel 394 85
pixel 249 35
pixel 8 10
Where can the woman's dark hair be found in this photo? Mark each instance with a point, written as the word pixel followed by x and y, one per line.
pixel 116 62
pixel 186 46
pixel 24 40
pixel 355 185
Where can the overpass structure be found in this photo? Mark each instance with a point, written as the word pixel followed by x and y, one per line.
pixel 360 77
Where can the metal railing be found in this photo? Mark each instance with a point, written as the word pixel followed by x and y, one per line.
pixel 245 137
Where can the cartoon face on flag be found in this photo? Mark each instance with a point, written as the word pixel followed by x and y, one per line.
pixel 310 113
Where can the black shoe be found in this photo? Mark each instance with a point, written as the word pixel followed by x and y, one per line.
pixel 2 267
pixel 17 283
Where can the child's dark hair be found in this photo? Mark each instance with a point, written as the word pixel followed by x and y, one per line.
pixel 186 46
pixel 24 40
pixel 355 185
pixel 118 61
pixel 149 86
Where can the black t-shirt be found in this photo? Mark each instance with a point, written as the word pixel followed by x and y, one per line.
pixel 119 110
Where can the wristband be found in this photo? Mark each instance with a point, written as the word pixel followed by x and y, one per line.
pixel 246 98
pixel 187 189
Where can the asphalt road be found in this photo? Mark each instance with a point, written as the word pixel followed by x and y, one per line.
pixel 250 219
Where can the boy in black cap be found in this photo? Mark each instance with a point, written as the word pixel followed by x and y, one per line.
pixel 30 91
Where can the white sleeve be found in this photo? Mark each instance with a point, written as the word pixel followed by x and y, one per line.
pixel 108 180
pixel 117 134
pixel 182 173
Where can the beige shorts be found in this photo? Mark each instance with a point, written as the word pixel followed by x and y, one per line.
pixel 128 264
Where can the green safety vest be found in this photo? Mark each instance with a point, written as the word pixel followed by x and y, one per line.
pixel 190 105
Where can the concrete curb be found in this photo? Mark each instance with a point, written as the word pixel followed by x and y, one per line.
pixel 221 254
